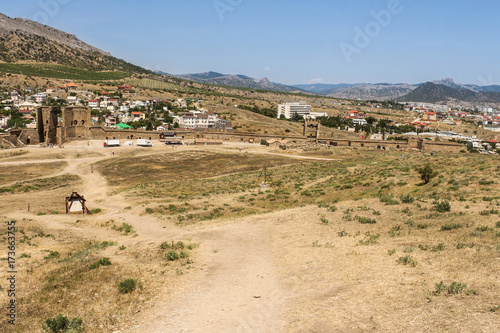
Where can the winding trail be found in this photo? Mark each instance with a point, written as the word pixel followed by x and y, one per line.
pixel 236 287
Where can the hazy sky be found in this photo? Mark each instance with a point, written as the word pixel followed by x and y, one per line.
pixel 289 41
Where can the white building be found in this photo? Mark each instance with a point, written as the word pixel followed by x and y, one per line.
pixel 197 120
pixel 94 104
pixel 290 109
pixel 40 97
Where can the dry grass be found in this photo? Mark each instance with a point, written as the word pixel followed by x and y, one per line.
pixel 339 273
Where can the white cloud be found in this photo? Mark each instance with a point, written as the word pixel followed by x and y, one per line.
pixel 267 69
pixel 313 81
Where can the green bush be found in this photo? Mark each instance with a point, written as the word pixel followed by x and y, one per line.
pixel 389 200
pixel 454 288
pixel 442 207
pixel 101 262
pixel 407 260
pixel 172 256
pixel 366 220
pixel 61 324
pixel 451 226
pixel 407 199
pixel 127 286
pixel 96 211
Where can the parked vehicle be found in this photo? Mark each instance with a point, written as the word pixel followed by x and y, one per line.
pixel 112 143
pixel 144 143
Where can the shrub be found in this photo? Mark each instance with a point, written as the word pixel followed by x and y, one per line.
pixel 422 226
pixel 426 173
pixel 184 255
pixel 100 262
pixel 323 219
pixel 389 200
pixel 366 220
pixel 454 288
pixel 149 210
pixel 61 324
pixel 498 224
pixel 407 199
pixel 96 211
pixel 126 228
pixel 372 239
pixel 127 286
pixel 451 226
pixel 463 245
pixel 442 207
pixel 306 193
pixel 407 260
pixel 332 208
pixel 171 256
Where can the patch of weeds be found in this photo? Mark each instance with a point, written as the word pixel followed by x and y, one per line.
pixel 464 245
pixel 410 223
pixel 442 206
pixel 484 228
pixel 439 247
pixel 342 233
pixel 376 212
pixel 407 199
pixel 323 219
pixel 101 262
pixel 127 286
pixel 366 220
pixel 122 247
pixel 61 324
pixel 149 210
pixel 370 240
pixel 125 227
pixel 391 252
pixel 395 231
pixel 52 255
pixel 172 255
pixel 421 226
pixel 389 200
pixel 423 247
pixel 454 288
pixel 332 208
pixel 407 260
pixel 495 308
pixel 451 226
pixel 96 211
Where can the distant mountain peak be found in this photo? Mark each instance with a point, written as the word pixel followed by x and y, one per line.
pixel 238 80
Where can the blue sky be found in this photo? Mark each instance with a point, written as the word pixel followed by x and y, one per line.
pixel 318 41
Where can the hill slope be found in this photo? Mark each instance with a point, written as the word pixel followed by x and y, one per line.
pixel 23 41
pixel 437 93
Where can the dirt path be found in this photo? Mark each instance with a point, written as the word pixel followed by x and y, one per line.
pixel 235 287
pixel 237 290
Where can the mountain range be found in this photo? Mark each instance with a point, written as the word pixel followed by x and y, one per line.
pixel 23 41
pixel 241 81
